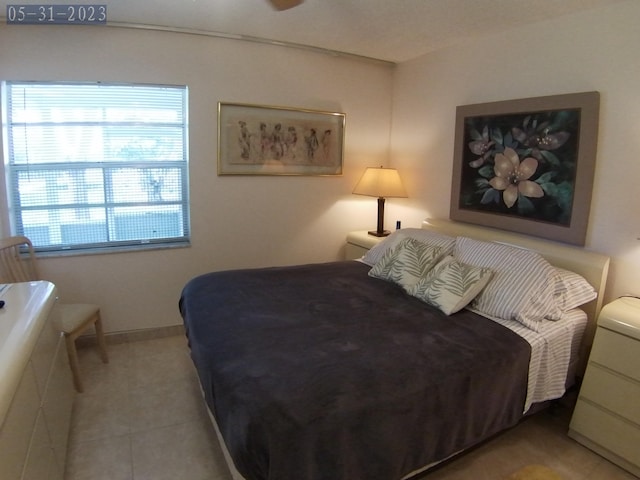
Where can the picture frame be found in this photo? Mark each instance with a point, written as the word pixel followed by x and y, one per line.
pixel 269 140
pixel 527 165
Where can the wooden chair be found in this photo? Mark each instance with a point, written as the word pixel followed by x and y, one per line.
pixel 18 264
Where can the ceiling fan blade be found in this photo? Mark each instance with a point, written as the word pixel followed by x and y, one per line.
pixel 285 4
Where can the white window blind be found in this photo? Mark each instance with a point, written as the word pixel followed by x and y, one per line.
pixel 95 166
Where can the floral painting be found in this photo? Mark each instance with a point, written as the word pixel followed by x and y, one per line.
pixel 522 165
pixel 527 165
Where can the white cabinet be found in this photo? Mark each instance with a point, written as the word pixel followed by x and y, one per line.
pixel 607 414
pixel 36 388
pixel 359 243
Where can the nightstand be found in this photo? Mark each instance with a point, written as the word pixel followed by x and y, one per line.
pixel 359 243
pixel 607 414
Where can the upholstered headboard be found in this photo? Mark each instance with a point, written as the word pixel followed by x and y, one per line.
pixel 594 267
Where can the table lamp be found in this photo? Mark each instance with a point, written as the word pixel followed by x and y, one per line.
pixel 382 183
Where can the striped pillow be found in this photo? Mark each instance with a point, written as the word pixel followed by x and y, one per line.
pixel 523 283
pixel 572 290
pixel 376 253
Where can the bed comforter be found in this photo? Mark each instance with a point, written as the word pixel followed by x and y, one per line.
pixel 320 372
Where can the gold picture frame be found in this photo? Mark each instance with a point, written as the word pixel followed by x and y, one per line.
pixel 527 165
pixel 268 140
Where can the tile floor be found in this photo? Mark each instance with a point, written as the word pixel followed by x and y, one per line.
pixel 142 418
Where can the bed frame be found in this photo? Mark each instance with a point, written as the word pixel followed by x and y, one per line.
pixel 592 266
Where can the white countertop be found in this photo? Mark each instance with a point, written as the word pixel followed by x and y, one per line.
pixel 26 309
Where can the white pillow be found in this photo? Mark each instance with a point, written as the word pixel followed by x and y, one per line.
pixel 406 263
pixel 374 255
pixel 523 283
pixel 572 290
pixel 451 285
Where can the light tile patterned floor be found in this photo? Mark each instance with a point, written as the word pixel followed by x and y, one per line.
pixel 142 418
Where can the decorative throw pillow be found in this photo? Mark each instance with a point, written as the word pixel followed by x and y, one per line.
pixel 522 286
pixel 572 290
pixel 406 263
pixel 451 285
pixel 375 254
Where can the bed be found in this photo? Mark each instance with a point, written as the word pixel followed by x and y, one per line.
pixel 373 368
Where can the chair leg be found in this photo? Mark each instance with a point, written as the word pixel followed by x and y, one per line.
pixel 73 362
pixel 102 344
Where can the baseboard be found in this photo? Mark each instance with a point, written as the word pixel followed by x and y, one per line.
pixel 132 335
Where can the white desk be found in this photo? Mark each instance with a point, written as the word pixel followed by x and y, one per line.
pixel 36 390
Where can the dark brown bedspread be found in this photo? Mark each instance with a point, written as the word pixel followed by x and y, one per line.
pixel 319 372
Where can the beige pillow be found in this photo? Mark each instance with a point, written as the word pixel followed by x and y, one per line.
pixel 407 262
pixel 375 254
pixel 451 285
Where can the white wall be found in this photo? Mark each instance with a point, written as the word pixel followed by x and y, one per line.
pixel 236 221
pixel 596 50
pixel 256 221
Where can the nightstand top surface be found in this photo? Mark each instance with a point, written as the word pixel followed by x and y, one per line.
pixel 623 316
pixel 363 239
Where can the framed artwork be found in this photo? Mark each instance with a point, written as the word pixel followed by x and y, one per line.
pixel 266 140
pixel 527 165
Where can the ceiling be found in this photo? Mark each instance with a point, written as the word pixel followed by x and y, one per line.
pixel 389 30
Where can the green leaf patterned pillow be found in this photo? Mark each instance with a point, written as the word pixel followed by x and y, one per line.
pixel 451 285
pixel 407 262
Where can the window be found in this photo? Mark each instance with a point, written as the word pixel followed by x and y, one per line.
pixel 96 166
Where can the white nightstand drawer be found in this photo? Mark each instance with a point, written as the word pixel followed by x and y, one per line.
pixel 616 352
pixel 615 393
pixel 359 243
pixel 352 252
pixel 608 431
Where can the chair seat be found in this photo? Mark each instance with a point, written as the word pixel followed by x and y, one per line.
pixel 70 317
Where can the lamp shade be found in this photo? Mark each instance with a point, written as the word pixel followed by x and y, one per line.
pixel 380 182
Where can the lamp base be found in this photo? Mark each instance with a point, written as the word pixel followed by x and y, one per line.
pixel 383 233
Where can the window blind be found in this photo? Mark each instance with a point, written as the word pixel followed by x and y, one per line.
pixel 97 166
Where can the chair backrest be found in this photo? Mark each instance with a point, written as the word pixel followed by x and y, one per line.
pixel 17 260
